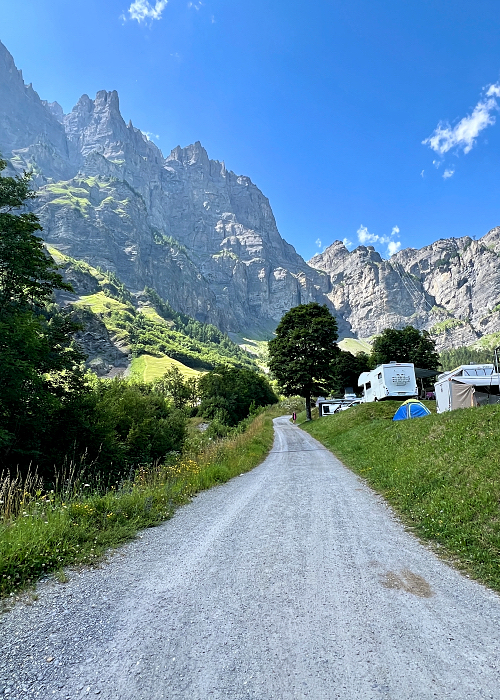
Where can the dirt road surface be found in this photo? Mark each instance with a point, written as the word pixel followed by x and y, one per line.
pixel 292 581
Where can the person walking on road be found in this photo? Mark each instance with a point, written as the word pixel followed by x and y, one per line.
pixel 294 416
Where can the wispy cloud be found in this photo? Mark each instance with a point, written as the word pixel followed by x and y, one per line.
pixel 149 135
pixel 195 5
pixel 464 134
pixel 422 173
pixel 142 10
pixel 348 244
pixel 318 242
pixel 367 238
pixel 448 173
pixel 393 247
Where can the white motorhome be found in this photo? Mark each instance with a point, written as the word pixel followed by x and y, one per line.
pixel 395 380
pixel 465 386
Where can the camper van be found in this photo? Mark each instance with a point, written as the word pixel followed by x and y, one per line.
pixel 395 380
pixel 467 385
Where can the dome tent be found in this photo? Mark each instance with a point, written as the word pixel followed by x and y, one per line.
pixel 411 409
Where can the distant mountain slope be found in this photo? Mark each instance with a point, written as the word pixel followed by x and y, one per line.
pixel 118 326
pixel 451 288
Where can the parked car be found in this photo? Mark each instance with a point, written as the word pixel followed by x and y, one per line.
pixel 345 406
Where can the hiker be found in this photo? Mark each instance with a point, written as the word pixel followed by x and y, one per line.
pixel 294 416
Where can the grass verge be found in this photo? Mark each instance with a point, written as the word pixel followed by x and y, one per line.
pixel 40 533
pixel 441 474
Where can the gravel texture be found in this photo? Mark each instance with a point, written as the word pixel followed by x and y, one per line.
pixel 291 581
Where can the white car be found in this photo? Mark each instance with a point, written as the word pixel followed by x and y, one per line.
pixel 345 406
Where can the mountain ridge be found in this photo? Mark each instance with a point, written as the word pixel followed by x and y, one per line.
pixel 206 238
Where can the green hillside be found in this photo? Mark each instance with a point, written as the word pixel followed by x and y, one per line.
pixel 147 325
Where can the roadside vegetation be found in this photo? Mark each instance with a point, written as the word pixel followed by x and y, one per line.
pixel 441 474
pixel 78 521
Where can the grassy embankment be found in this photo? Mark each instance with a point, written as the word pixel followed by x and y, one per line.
pixel 41 533
pixel 441 473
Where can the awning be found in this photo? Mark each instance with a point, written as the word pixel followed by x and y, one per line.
pixel 426 373
pixel 492 380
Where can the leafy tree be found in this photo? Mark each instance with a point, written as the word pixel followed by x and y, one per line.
pixel 173 384
pixel 405 345
pixel 302 354
pixel 346 369
pixel 39 365
pixel 229 393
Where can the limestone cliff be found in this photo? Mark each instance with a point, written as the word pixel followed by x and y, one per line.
pixel 202 236
pixel 451 288
pixel 206 238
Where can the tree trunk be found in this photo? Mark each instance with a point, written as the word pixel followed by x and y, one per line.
pixel 308 408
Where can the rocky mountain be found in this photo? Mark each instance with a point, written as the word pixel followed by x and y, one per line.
pixel 202 236
pixel 206 239
pixel 451 288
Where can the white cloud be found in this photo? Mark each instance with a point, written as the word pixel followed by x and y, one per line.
pixel 364 236
pixel 318 242
pixel 393 247
pixel 195 5
pixel 436 163
pixel 493 90
pixel 142 10
pixel 367 238
pixel 149 135
pixel 448 173
pixel 422 173
pixel 465 133
pixel 348 244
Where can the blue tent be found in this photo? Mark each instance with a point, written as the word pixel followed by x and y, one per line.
pixel 411 409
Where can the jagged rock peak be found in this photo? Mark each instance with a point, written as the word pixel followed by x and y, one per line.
pixel 25 120
pixel 190 155
pixel 55 109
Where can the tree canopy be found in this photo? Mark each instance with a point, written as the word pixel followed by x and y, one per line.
pixel 39 365
pixel 302 353
pixel 405 345
pixel 228 394
pixel 347 368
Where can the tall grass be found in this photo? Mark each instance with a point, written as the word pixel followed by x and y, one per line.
pixel 441 473
pixel 41 532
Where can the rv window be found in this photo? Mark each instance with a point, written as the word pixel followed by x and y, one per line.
pixel 379 375
pixel 368 385
pixel 326 409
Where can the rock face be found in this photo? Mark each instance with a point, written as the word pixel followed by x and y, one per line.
pixel 206 238
pixel 451 288
pixel 202 236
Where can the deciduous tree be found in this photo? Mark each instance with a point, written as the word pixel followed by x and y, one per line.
pixel 301 355
pixel 405 345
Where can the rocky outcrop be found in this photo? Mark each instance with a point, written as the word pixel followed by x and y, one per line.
pixel 202 236
pixel 451 288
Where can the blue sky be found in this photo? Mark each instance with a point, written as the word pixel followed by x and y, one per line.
pixel 367 120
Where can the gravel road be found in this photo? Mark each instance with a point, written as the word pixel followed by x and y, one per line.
pixel 291 581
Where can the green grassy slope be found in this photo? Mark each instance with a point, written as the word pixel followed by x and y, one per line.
pixel 441 473
pixel 149 326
